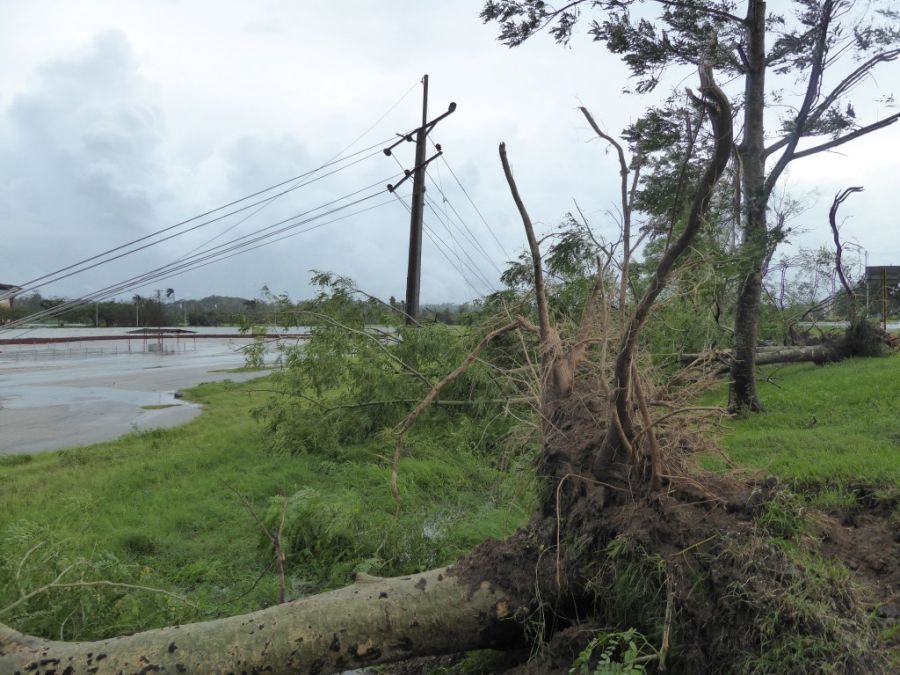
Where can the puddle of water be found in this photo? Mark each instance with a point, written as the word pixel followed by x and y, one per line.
pixel 72 401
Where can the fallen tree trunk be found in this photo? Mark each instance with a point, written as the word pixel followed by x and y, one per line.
pixel 373 621
pixel 769 356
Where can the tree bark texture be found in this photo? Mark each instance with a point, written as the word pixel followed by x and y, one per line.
pixel 742 393
pixel 373 621
pixel 812 353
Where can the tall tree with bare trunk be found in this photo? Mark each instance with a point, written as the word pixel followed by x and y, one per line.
pixel 831 46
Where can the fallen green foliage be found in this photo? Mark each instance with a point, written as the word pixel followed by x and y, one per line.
pixel 158 509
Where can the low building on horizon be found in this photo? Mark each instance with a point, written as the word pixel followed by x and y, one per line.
pixel 7 295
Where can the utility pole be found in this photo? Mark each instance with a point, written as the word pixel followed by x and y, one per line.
pixel 414 268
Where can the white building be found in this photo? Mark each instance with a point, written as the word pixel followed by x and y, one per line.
pixel 7 295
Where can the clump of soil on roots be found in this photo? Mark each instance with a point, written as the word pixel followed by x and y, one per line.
pixel 712 573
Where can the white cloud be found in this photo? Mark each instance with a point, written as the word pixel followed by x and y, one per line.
pixel 120 118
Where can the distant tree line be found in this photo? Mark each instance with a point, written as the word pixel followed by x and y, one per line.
pixel 164 308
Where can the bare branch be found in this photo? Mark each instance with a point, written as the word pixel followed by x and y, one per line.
pixel 886 122
pixel 539 290
pixel 410 419
pixel 812 90
pixel 839 199
pixel 627 200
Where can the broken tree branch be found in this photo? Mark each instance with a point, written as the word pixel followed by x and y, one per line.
pixel 411 418
pixel 839 199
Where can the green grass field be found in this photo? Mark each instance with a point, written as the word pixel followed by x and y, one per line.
pixel 835 424
pixel 159 509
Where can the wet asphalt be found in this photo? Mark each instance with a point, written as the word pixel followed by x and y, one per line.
pixel 59 396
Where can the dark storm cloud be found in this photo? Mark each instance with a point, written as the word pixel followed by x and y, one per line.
pixel 186 106
pixel 81 160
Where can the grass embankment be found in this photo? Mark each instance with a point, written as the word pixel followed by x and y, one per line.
pixel 154 509
pixel 825 427
pixel 832 434
pixel 158 509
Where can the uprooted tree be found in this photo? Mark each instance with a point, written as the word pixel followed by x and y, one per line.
pixel 829 46
pixel 860 339
pixel 622 539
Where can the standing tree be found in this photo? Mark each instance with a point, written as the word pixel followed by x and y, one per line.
pixel 830 46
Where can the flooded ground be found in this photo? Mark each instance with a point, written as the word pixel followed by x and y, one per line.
pixel 59 395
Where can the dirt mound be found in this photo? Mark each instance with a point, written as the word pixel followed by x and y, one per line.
pixel 718 578
pixel 866 538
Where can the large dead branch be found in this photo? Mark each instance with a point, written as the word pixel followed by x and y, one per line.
pixel 373 621
pixel 717 105
pixel 556 381
pixel 839 199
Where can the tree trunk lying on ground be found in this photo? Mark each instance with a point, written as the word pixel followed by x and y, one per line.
pixel 860 339
pixel 764 357
pixel 373 621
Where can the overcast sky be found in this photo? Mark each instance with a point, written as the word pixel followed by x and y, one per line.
pixel 120 118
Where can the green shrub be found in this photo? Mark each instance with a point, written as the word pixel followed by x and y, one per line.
pixel 46 590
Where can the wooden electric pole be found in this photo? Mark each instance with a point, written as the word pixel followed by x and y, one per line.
pixel 417 173
pixel 414 268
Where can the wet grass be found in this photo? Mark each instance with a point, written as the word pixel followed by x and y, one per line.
pixel 160 508
pixel 835 424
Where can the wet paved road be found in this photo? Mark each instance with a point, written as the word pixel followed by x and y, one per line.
pixel 74 395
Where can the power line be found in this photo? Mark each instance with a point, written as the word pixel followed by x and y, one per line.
pixel 472 238
pixel 214 254
pixel 474 206
pixel 338 155
pixel 29 285
pixel 197 258
pixel 58 276
pixel 471 265
pixel 293 234
pixel 176 270
pixel 473 268
pixel 442 249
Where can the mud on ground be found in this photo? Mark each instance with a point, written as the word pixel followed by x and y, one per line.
pixel 746 593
